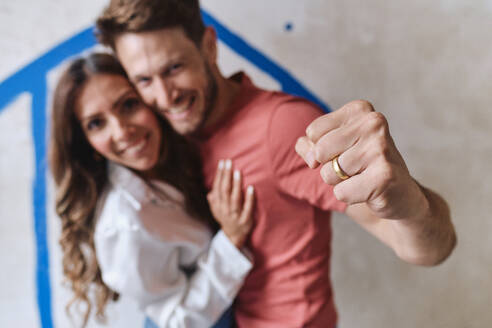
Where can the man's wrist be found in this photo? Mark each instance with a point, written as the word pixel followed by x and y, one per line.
pixel 419 209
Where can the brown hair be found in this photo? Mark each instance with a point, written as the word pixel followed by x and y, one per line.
pixel 80 176
pixel 135 16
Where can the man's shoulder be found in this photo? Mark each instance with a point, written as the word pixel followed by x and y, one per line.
pixel 254 96
pixel 290 110
pixel 273 102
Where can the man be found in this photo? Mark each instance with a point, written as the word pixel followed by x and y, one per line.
pixel 170 57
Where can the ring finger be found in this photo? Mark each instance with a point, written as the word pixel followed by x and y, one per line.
pixel 350 162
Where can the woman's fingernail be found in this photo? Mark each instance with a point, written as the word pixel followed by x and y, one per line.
pixel 237 175
pixel 228 164
pixel 221 164
pixel 250 189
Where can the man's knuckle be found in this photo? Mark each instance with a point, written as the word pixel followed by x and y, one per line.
pixel 385 175
pixel 356 107
pixel 311 129
pixel 381 147
pixel 376 123
pixel 364 105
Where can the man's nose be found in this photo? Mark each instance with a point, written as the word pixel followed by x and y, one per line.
pixel 164 93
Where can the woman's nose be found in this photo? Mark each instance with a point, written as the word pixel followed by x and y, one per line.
pixel 121 130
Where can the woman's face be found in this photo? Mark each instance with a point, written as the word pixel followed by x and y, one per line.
pixel 117 124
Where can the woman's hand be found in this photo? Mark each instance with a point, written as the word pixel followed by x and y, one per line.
pixel 228 207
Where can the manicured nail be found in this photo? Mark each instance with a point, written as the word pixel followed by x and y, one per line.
pixel 221 164
pixel 310 159
pixel 250 190
pixel 237 175
pixel 228 164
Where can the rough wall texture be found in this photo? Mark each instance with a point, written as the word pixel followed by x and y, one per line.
pixel 426 65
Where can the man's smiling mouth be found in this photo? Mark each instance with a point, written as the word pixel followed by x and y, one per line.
pixel 181 112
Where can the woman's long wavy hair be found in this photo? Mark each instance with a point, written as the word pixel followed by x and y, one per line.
pixel 80 176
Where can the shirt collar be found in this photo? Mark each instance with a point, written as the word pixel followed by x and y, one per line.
pixel 239 101
pixel 125 179
pixel 140 191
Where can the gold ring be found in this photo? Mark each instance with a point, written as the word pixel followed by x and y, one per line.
pixel 338 170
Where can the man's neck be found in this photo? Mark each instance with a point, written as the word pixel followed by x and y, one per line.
pixel 227 91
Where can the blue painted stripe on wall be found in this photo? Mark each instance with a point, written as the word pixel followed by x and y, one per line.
pixel 43 289
pixel 242 48
pixel 23 80
pixel 32 79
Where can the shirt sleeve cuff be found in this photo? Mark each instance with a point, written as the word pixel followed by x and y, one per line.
pixel 241 258
pixel 229 264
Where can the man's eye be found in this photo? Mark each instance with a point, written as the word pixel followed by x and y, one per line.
pixel 174 68
pixel 143 81
pixel 94 124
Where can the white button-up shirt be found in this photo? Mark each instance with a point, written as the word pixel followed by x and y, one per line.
pixel 151 250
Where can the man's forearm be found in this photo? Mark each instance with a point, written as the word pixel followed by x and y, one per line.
pixel 427 240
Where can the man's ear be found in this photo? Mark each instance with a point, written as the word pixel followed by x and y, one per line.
pixel 209 45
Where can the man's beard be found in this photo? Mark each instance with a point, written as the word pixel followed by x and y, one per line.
pixel 209 101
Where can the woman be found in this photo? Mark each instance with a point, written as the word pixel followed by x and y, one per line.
pixel 135 220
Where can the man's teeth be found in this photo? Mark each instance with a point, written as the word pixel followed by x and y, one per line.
pixel 183 108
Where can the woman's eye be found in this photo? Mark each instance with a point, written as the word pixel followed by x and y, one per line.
pixel 94 124
pixel 129 105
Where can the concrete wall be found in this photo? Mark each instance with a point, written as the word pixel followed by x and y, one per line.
pixel 426 65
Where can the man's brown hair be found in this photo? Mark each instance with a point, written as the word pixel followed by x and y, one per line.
pixel 122 16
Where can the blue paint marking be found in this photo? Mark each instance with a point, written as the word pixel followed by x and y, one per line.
pixel 22 80
pixel 242 48
pixel 38 115
pixel 32 79
pixel 289 26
